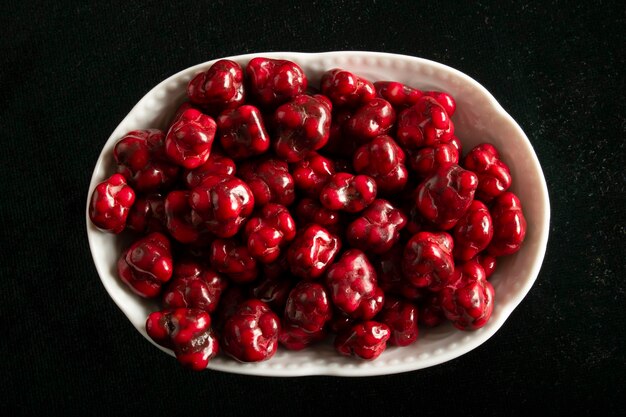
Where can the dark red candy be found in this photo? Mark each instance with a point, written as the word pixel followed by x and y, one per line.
pixel 272 82
pixel 146 265
pixel 219 88
pixel 378 227
pixel 217 164
pixel 364 340
pixel 383 160
pixel 346 89
pixel 509 225
pixel 401 318
pixel 148 214
pixel 194 286
pixel 428 261
pixel 353 286
pixel 473 231
pixel 141 159
pixel 467 300
pixel 444 197
pixel 222 203
pixel 312 252
pixel 233 259
pixel 187 332
pixel 347 192
pixel 251 333
pixel 374 118
pixel 494 176
pixel 424 124
pixel 399 95
pixel 242 132
pixel 189 140
pixel 110 204
pixel 301 126
pixel 269 180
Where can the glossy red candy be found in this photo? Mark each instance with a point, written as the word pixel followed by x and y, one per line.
pixel 110 204
pixel 365 340
pixel 509 225
pixel 494 176
pixel 346 89
pixel 353 286
pixel 189 140
pixel 242 132
pixel 467 300
pixel 146 265
pixel 272 82
pixel 219 88
pixel 312 252
pixel 301 126
pixel 444 197
pixel 141 159
pixel 194 285
pixel 428 261
pixel 187 332
pixel 251 333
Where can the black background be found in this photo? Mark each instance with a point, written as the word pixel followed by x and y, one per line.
pixel 71 72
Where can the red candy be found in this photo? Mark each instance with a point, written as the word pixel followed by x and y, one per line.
pixel 186 331
pixel 189 140
pixel 219 88
pixel 146 265
pixel 110 204
pixel 141 159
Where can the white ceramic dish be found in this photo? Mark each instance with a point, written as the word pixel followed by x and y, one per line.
pixel 479 118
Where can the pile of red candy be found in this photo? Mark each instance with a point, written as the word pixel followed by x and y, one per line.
pixel 272 212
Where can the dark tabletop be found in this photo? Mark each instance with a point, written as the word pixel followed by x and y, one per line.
pixel 71 72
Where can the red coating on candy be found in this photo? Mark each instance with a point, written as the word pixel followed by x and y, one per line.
pixel 242 132
pixel 346 89
pixel 219 88
pixel 269 180
pixel 399 95
pixel 312 251
pixel 383 160
pixel 353 286
pixel 311 174
pixel 222 203
pixel 141 159
pixel 194 285
pixel 366 340
pixel 445 196
pixel 378 227
pixel 189 139
pixel 374 118
pixel 110 204
pixel 428 261
pixel 272 82
pixel 148 214
pixel 251 333
pixel 473 232
pixel 348 192
pixel 301 126
pixel 401 318
pixel 217 164
pixel 307 311
pixel 187 332
pixel 146 265
pixel 266 234
pixel 467 300
pixel 494 176
pixel 424 124
pixel 509 225
pixel 230 258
